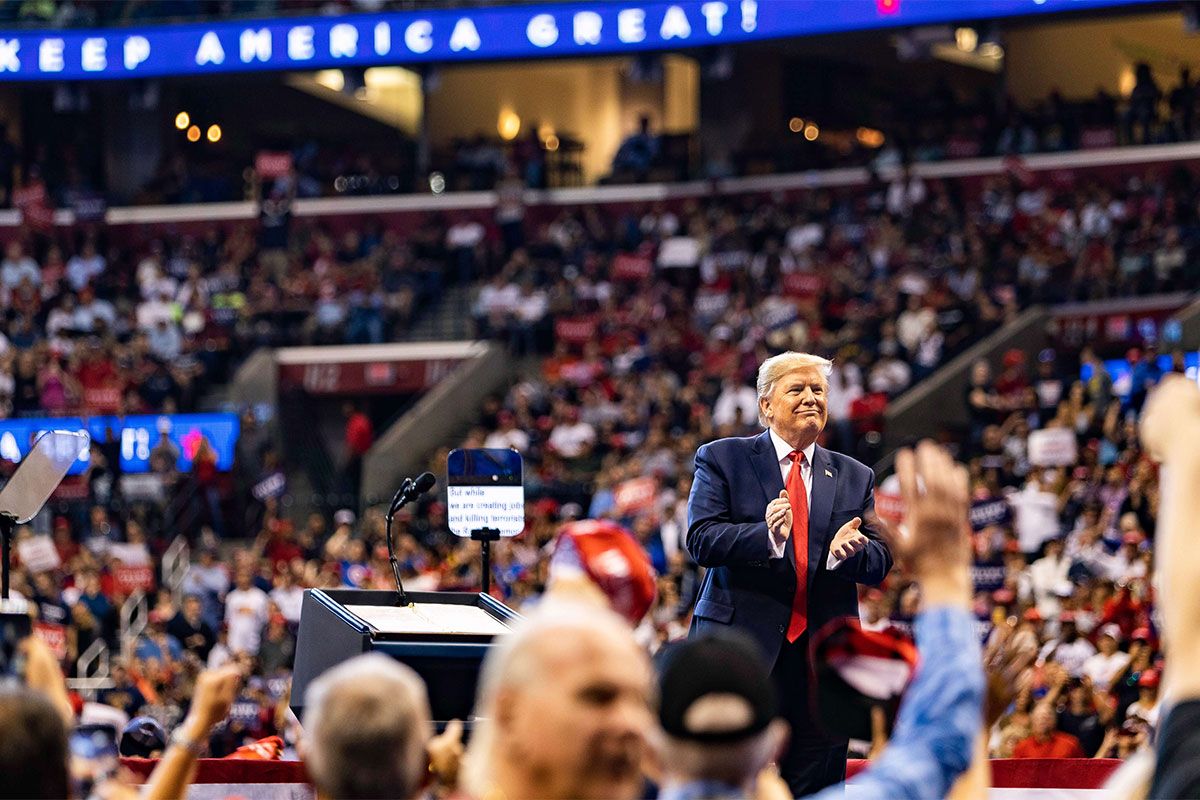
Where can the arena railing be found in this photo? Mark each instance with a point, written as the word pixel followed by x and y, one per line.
pixel 135 614
pixel 176 561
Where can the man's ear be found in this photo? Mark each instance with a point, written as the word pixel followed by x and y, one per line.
pixel 764 403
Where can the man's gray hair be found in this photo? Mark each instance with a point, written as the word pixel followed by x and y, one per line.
pixel 776 367
pixel 366 725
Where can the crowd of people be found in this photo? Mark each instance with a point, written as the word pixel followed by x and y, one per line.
pixel 648 325
pixel 656 319
pixel 570 704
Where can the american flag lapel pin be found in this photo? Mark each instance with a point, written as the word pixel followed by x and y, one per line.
pixel 828 474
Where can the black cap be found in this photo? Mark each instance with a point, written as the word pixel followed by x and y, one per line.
pixel 143 737
pixel 715 688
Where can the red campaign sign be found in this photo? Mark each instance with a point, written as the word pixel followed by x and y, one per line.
pixel 269 164
pixel 103 399
pixel 889 507
pixel 802 284
pixel 635 495
pixel 54 635
pixel 631 267
pixel 130 579
pixel 366 377
pixel 575 330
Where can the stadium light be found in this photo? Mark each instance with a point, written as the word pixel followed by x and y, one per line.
pixel 193 133
pixel 509 124
pixel 182 120
pixel 214 133
pixel 811 131
pixel 967 39
pixel 869 137
pixel 795 125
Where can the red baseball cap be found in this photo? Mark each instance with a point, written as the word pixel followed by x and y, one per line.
pixel 612 558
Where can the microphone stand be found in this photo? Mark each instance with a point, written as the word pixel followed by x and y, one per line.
pixel 485 537
pixel 7 523
pixel 397 503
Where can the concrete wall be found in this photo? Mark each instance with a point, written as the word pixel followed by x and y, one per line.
pixel 437 419
pixel 937 403
pixel 256 380
pixel 1077 56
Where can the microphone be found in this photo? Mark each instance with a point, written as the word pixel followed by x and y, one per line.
pixel 398 497
pixel 409 490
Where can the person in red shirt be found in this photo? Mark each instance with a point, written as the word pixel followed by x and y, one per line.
pixel 1047 741
pixel 360 435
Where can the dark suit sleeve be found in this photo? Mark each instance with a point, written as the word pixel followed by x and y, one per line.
pixel 1177 771
pixel 872 564
pixel 713 540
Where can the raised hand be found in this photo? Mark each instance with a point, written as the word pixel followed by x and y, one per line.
pixel 1171 420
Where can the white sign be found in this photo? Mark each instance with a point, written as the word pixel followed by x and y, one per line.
pixel 1053 447
pixel 132 555
pixel 38 554
pixel 470 508
pixel 679 251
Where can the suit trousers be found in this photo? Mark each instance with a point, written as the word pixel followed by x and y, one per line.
pixel 813 760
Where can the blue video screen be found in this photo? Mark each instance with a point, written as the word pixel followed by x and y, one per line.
pixel 138 436
pixel 448 35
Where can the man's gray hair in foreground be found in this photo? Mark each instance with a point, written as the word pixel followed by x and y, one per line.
pixel 366 727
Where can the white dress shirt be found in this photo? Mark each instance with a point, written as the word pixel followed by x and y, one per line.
pixel 778 547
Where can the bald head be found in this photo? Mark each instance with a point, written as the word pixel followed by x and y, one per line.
pixel 366 725
pixel 564 707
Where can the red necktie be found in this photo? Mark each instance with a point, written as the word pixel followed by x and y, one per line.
pixel 798 497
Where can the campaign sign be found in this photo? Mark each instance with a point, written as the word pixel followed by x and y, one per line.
pixel 1052 447
pixel 484 489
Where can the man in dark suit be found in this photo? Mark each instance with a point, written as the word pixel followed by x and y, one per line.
pixel 778 522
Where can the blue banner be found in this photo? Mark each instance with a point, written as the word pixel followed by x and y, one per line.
pixel 138 435
pixel 449 35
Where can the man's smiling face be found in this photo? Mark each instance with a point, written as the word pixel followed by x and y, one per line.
pixel 797 407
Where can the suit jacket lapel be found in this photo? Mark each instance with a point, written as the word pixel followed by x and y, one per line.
pixel 766 467
pixel 821 509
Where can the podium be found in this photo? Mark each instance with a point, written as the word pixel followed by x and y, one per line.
pixel 442 636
